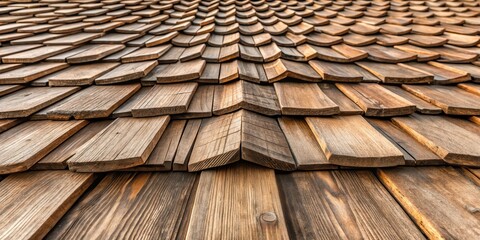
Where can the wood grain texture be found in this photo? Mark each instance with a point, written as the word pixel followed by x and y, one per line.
pixel 342 205
pixel 454 140
pixel 395 74
pixel 450 99
pixel 33 202
pixel 126 142
pixel 376 100
pixel 245 95
pixel 307 152
pixel 201 104
pixel 345 104
pixel 183 71
pixel 27 101
pixel 254 188
pixel 126 72
pixel 81 74
pixel 217 143
pixel 93 102
pixel 436 198
pixel 163 99
pixel 30 72
pixel 421 105
pixel 304 99
pixel 185 146
pixel 352 141
pixel 264 143
pixel 414 152
pixel 6 124
pixel 470 87
pixel 129 205
pixel 57 159
pixel 39 137
pixel 125 110
pixel 6 89
pixel 162 156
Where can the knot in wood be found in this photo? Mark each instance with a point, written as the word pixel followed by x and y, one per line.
pixel 269 217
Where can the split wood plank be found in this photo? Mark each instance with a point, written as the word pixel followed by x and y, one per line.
pixel 304 146
pixel 352 141
pixel 437 199
pixel 57 159
pixel 336 71
pixel 93 102
pixel 162 156
pixel 245 95
pixel 201 104
pixel 80 74
pixel 376 100
pixel 39 137
pixel 473 174
pixel 446 137
pixel 413 151
pixel 27 101
pixel 304 99
pixel 120 203
pixel 95 52
pixel 126 72
pixel 6 89
pixel 264 143
pixel 185 146
pixel 253 188
pixel 164 99
pixel 345 104
pixel 421 105
pixel 33 202
pixel 395 74
pixel 450 99
pixel 31 72
pixel 217 143
pixel 125 143
pixel 342 205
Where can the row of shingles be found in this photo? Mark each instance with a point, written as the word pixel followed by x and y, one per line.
pixel 283 206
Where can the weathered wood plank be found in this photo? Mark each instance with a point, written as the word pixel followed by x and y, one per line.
pixel 93 102
pixel 304 146
pixel 24 145
pixel 127 142
pixel 33 202
pixel 264 143
pixel 342 205
pixel 165 99
pixel 27 101
pixel 201 104
pixel 185 146
pixel 6 89
pixel 31 72
pixel 376 100
pixel 6 124
pixel 446 137
pixel 254 188
pixel 352 141
pixel 304 99
pixel 421 105
pixel 346 105
pixel 81 74
pixel 217 143
pixel 129 205
pixel 57 159
pixel 437 199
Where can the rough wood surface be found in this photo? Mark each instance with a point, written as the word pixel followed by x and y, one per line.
pixel 376 100
pixel 264 143
pixel 165 99
pixel 25 102
pixel 307 152
pixel 93 102
pixel 452 100
pixel 448 138
pixel 421 105
pixel 129 205
pixel 6 89
pixel 342 205
pixel 6 124
pixel 201 104
pixel 24 145
pixel 437 199
pixel 126 142
pixel 81 74
pixel 352 141
pixel 185 146
pixel 253 188
pixel 217 143
pixel 57 159
pixel 126 72
pixel 304 99
pixel 30 72
pixel 345 104
pixel 392 73
pixel 33 202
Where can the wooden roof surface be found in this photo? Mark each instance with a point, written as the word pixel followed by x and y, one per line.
pixel 134 86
